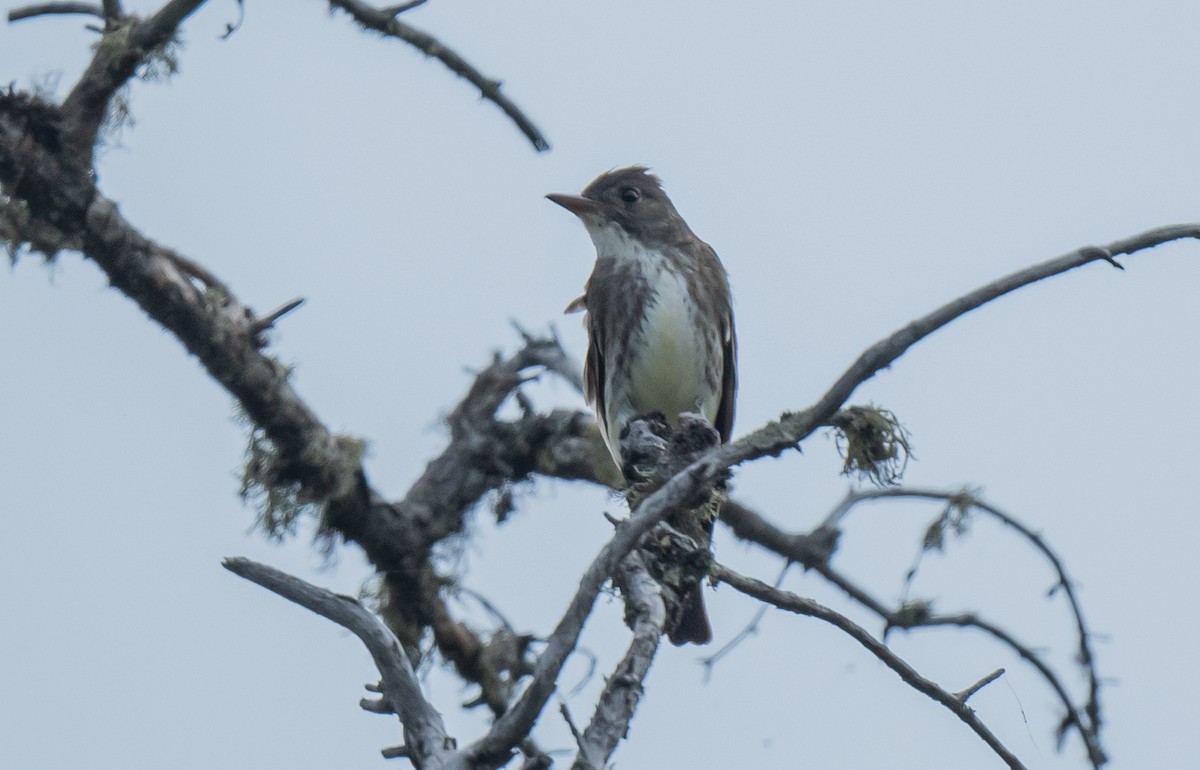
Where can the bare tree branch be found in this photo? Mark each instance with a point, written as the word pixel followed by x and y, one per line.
pixel 494 748
pixel 794 427
pixel 112 11
pixel 385 22
pixel 799 547
pixel 55 9
pixel 426 738
pixel 1088 727
pixel 786 600
pixel 646 613
pixel 750 629
pixel 396 10
pixel 771 439
pixel 806 549
pixel 45 165
pixel 965 694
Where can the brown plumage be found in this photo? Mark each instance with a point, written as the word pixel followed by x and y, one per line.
pixel 660 326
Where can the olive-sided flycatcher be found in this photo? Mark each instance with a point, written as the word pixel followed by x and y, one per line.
pixel 659 321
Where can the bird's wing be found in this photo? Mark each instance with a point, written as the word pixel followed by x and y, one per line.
pixel 593 372
pixel 724 421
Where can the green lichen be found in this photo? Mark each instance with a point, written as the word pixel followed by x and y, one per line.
pixel 873 444
pixel 954 519
pixel 281 494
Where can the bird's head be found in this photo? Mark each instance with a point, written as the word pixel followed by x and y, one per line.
pixel 631 198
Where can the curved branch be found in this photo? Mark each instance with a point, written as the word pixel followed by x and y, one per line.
pixel 385 22
pixel 772 439
pixel 792 428
pixel 1089 735
pixel 1085 658
pixel 748 525
pixel 786 600
pixel 216 328
pixel 55 9
pixel 426 735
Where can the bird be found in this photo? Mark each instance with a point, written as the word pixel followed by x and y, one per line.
pixel 659 317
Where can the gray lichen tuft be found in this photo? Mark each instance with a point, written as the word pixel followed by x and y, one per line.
pixel 955 518
pixel 873 443
pixel 278 503
pixel 280 496
pixel 158 65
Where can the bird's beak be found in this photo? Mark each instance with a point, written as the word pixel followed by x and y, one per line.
pixel 576 204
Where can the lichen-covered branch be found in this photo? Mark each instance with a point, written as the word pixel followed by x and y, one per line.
pixel 121 51
pixel 49 201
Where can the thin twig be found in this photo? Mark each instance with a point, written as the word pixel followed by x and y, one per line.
pixel 750 526
pixel 260 325
pixel 396 10
pixel 55 9
pixel 750 629
pixel 1086 729
pixel 565 711
pixel 965 695
pixel 1089 728
pixel 385 22
pixel 788 601
pixel 549 353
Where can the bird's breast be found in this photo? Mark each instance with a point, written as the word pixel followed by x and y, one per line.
pixel 669 371
pixel 670 361
pixel 659 354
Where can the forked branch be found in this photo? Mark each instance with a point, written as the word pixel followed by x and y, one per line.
pixel 957 703
pixel 426 739
pixel 811 551
pixel 772 439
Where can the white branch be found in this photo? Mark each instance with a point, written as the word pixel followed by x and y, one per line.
pixel 623 690
pixel 427 741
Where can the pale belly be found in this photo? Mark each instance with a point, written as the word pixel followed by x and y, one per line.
pixel 669 375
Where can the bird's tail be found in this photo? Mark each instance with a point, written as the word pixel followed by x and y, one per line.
pixel 693 627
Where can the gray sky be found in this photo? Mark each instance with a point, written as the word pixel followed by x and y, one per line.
pixel 854 165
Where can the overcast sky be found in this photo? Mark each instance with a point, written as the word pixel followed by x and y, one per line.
pixel 854 164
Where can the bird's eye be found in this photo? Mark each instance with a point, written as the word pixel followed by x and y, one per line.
pixel 630 195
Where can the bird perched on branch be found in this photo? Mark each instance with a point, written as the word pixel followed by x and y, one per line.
pixel 660 327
